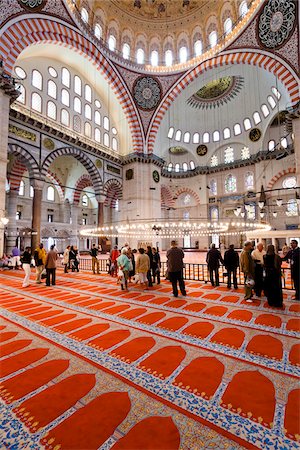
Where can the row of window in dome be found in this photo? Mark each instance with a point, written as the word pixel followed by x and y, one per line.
pixel 251 210
pixel 227 132
pixel 183 54
pixel 230 184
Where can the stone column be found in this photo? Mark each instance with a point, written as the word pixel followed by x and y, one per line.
pixel 296 130
pixel 36 214
pixel 100 219
pixel 12 224
pixel 4 117
pixel 74 215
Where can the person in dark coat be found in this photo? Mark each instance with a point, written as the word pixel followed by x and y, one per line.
pixel 51 266
pixel 156 265
pixel 175 266
pixel 293 256
pixel 149 273
pixel 231 262
pixel 213 259
pixel 272 282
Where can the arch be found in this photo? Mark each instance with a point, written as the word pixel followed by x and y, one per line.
pixel 27 159
pixel 279 175
pixel 273 65
pixel 189 191
pixel 166 197
pixel 54 179
pixel 83 182
pixel 113 192
pixel 85 161
pixel 29 31
pixel 16 174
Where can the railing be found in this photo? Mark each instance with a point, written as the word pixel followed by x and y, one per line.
pixel 193 272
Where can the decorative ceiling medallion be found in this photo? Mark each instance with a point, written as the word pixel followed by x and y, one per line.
pixel 216 92
pixel 177 150
pixel 48 144
pixel 201 150
pixel 255 134
pixel 147 92
pixel 276 23
pixel 98 163
pixel 129 174
pixel 155 176
pixel 32 5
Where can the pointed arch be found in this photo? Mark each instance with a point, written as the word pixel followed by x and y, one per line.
pixel 26 159
pixel 187 190
pixel 83 182
pixel 113 191
pixel 16 173
pixel 279 175
pixel 54 179
pixel 166 197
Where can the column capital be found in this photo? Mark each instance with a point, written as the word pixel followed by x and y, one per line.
pixel 100 198
pixel 7 85
pixel 38 184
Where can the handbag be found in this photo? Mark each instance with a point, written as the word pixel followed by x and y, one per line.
pixel 120 273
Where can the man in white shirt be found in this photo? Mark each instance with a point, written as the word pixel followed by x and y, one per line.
pixel 258 258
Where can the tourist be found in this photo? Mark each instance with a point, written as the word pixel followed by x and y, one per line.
pixel 247 267
pixel 95 261
pixel 114 254
pixel 156 265
pixel 51 261
pixel 40 260
pixel 175 265
pixel 142 267
pixel 285 249
pixel 130 255
pixel 66 259
pixel 293 256
pixel 149 273
pixel 16 261
pixel 26 261
pixel 231 262
pixel 124 264
pixel 272 281
pixel 258 258
pixel 213 259
pixel 74 258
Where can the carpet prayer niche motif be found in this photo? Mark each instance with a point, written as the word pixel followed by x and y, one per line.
pixel 87 366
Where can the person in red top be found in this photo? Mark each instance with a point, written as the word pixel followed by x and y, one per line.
pixel 114 254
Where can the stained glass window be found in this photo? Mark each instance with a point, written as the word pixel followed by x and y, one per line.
pixel 213 187
pixel 214 161
pixel 245 153
pixel 249 181
pixel 228 155
pixel 230 184
pixel 292 208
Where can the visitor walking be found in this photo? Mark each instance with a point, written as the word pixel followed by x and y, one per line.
pixel 213 259
pixel 175 265
pixel 130 255
pixel 156 265
pixel 258 258
pixel 51 261
pixel 95 261
pixel 247 267
pixel 66 259
pixel 124 264
pixel 293 256
pixel 16 260
pixel 231 263
pixel 149 273
pixel 114 254
pixel 26 261
pixel 40 260
pixel 142 266
pixel 272 281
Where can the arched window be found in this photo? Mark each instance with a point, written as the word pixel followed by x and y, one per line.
pixel 271 101
pixel 216 136
pixel 213 39
pixel 22 188
pixel 36 102
pixel 154 58
pixel 289 182
pixel 183 55
pixel 249 181
pixel 77 85
pixel 65 77
pixel 292 208
pixel 168 58
pixel 22 97
pixel 126 51
pixel 106 123
pixel 187 137
pixel 84 15
pixel 140 55
pixel 214 213
pixel 114 144
pixel 65 97
pixel 206 138
pixel 98 31
pixel 77 105
pixel 97 135
pixel 51 110
pixel 50 194
pixel 243 8
pixel 52 72
pixel 196 138
pixel 256 117
pixel 37 79
pixel 88 93
pixel 228 155
pixel 245 153
pixel 228 26
pixel 213 187
pixel 271 145
pixel 237 129
pixel 20 73
pixel 84 200
pixel 87 129
pixel 52 89
pixel 185 167
pixel 283 142
pixel 226 133
pixel 192 165
pixel 88 112
pixel 178 135
pixel 276 92
pixel 265 110
pixel 171 132
pixel 214 161
pixel 77 124
pixel 106 139
pixel 97 118
pixel 31 191
pixel 64 117
pixel 247 124
pixel 112 43
pixel 117 205
pixel 170 167
pixel 250 208
pixel 230 184
pixel 177 167
pixel 198 48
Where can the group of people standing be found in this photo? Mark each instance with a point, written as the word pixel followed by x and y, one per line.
pixel 71 259
pixel 42 261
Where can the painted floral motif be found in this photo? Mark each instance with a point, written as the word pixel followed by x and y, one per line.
pixel 147 92
pixel 276 22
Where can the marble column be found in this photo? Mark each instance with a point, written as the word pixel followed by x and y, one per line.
pixel 12 232
pixel 100 219
pixel 296 131
pixel 4 117
pixel 36 214
pixel 74 216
